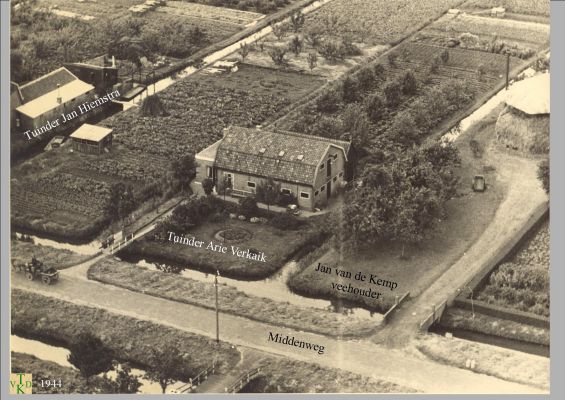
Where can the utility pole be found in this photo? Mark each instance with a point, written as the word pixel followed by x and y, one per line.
pixel 507 70
pixel 217 309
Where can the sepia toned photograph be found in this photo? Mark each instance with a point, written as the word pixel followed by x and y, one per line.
pixel 279 196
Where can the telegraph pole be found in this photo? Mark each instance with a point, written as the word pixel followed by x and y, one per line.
pixel 217 309
pixel 507 69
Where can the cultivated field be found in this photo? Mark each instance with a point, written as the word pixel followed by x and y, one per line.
pixel 523 282
pixel 64 194
pixel 527 7
pixel 215 14
pixel 202 105
pixel 480 32
pixel 378 21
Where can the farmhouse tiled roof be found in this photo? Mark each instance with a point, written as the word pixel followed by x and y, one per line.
pixel 284 156
pixel 47 83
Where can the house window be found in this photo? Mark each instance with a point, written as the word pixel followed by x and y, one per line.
pixel 323 188
pixel 251 184
pixel 305 195
pixel 341 174
pixel 316 193
pixel 208 171
pixel 335 178
pixel 335 156
pixel 286 191
pixel 322 166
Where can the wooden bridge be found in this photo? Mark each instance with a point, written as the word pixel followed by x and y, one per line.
pixel 243 380
pixel 196 381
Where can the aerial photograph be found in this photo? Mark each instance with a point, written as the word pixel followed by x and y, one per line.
pixel 279 196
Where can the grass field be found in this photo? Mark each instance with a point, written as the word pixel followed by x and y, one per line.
pixel 130 339
pixel 282 375
pixel 72 381
pixel 22 252
pixel 175 287
pixel 490 360
pixel 263 239
pixel 468 214
pixel 522 283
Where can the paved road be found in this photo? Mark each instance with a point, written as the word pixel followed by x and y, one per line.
pixel 361 357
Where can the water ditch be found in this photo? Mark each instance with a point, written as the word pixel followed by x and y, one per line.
pixel 274 287
pixel 493 340
pixel 58 354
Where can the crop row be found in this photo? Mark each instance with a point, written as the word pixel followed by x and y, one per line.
pixel 378 21
pixel 523 283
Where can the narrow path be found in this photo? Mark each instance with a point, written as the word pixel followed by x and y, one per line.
pixel 360 357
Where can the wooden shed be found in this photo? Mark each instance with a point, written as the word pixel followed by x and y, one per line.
pixel 92 139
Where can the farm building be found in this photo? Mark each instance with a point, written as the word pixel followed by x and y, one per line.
pixel 16 100
pixel 524 123
pixel 310 168
pixel 101 72
pixel 46 98
pixel 92 139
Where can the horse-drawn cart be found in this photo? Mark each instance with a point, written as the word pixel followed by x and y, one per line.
pixel 36 269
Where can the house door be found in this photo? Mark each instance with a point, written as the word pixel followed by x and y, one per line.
pixel 329 192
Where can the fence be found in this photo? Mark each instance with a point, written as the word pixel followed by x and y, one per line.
pixel 243 380
pixel 397 303
pixel 434 316
pixel 197 380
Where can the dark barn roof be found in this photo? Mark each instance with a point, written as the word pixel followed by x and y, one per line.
pixel 45 84
pixel 284 156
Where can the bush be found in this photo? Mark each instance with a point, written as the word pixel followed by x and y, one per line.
pixel 248 207
pixel 374 106
pixel 409 85
pixel 366 78
pixel 285 222
pixel 329 101
pixel 332 50
pixel 393 93
pixel 286 199
pixel 350 89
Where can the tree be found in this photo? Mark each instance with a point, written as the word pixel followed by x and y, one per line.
pixel 350 89
pixel 404 129
pixel 332 50
pixel 392 57
pixel 196 36
pixel 277 55
pixel 208 186
pixel 374 107
pixel 125 382
pixel 409 84
pixel 366 78
pixel 312 34
pixel 295 45
pixel 543 174
pixel 435 64
pixel 393 93
pixel 279 30
pixel 243 51
pixel 248 206
pixel 329 101
pixel 267 192
pixel 445 56
pixel 183 171
pixel 89 355
pixel 121 201
pixel 328 126
pixel 297 21
pixel 164 367
pixel 356 123
pixel 312 60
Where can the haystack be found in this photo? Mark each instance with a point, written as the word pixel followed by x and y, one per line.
pixel 152 106
pixel 524 123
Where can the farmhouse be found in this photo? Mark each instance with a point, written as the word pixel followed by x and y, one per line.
pixel 524 123
pixel 311 168
pixel 46 98
pixel 92 139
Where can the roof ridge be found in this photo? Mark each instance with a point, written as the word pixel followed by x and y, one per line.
pixel 291 133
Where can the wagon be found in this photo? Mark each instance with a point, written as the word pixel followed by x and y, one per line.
pixel 479 184
pixel 36 269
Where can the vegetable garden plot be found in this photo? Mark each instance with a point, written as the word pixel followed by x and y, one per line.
pixel 201 106
pixel 98 9
pixel 528 7
pixel 217 14
pixel 377 21
pixel 523 35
